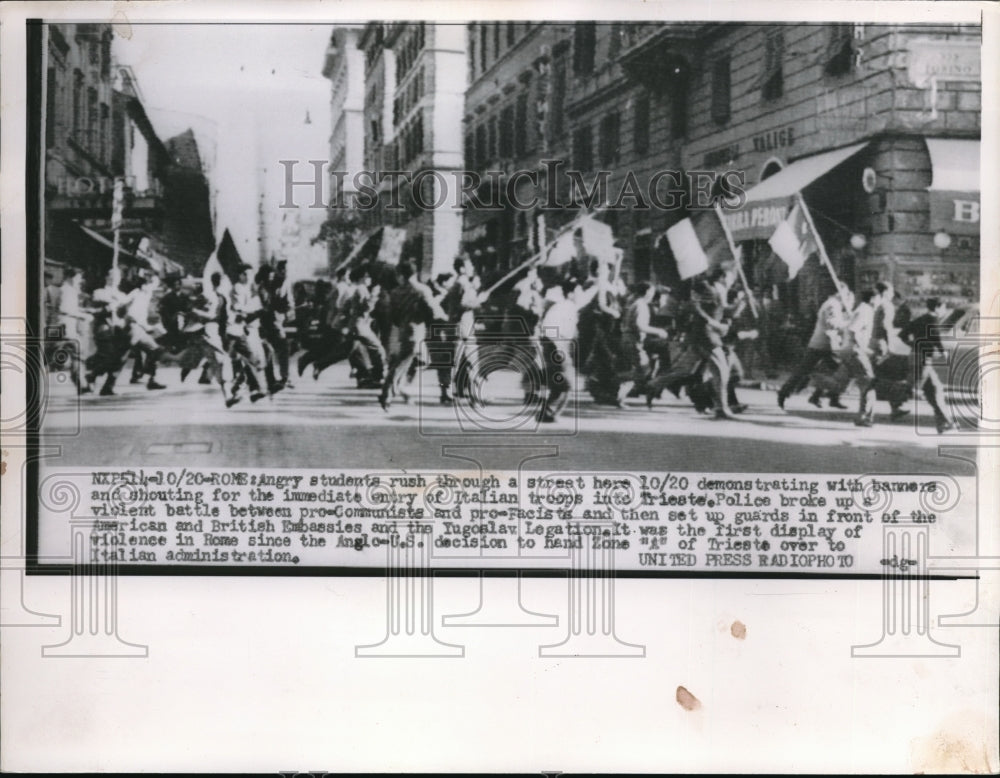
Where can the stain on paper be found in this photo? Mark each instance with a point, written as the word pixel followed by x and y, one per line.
pixel 738 630
pixel 961 745
pixel 120 24
pixel 687 700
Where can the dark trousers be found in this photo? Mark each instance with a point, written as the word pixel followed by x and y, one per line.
pixel 276 337
pixel 800 378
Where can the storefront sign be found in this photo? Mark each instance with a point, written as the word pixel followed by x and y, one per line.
pixel 756 222
pixel 775 139
pixel 722 156
pixel 931 60
pixel 956 213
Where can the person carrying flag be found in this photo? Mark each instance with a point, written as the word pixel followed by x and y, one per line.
pixel 413 306
pixel 831 320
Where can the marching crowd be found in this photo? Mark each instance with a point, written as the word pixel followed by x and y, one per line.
pixel 551 324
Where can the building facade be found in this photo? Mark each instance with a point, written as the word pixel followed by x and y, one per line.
pixel 876 127
pixel 415 82
pixel 96 131
pixel 344 65
pixel 515 117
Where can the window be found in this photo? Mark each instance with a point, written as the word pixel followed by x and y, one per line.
pixel 583 152
pixel 472 54
pixel 105 131
pixel 481 148
pixel 774 50
pixel 77 104
pixel 511 34
pixel 92 120
pixel 470 150
pixel 494 137
pixel 584 40
pixel 418 142
pixel 679 101
pixel 615 40
pixel 558 108
pixel 496 39
pixel 482 47
pixel 609 138
pixel 521 125
pixel 840 50
pixel 640 130
pixel 721 89
pixel 507 132
pixel 106 55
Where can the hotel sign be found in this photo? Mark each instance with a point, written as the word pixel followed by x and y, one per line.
pixel 930 61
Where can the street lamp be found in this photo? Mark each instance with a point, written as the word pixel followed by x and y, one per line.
pixel 942 239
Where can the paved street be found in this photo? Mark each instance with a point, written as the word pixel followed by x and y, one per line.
pixel 328 423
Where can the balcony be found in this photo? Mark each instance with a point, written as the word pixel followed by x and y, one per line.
pixel 659 55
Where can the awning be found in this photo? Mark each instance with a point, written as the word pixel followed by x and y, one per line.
pixel 798 175
pixel 163 265
pixel 955 185
pixel 954 165
pixel 768 203
pixel 122 253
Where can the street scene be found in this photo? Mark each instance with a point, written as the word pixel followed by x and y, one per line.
pixel 723 247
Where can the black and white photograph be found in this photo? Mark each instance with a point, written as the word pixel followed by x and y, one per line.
pixel 650 247
pixel 732 246
pixel 646 333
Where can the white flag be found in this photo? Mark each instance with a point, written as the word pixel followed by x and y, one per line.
pixel 794 241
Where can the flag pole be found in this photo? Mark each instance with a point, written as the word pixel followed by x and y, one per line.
pixel 736 256
pixel 541 255
pixel 824 258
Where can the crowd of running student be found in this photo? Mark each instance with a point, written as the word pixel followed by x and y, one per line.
pixel 550 324
pixel 237 339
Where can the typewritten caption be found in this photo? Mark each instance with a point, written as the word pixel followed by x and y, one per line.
pixel 665 521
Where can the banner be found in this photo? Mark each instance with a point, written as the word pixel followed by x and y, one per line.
pixel 598 240
pixel 391 248
pixel 793 241
pixel 698 243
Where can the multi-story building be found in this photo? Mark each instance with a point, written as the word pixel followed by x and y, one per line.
pixel 514 118
pixel 96 131
pixel 344 65
pixel 378 128
pixel 876 127
pixel 415 82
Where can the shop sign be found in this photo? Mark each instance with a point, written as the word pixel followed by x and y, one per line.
pixel 933 60
pixel 956 213
pixel 774 140
pixel 757 221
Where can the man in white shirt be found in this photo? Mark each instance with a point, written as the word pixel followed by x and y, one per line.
pixel 636 328
pixel 856 362
pixel 246 347
pixel 831 319
pixel 136 304
pixel 111 336
pixel 466 301
pixel 75 324
pixel 558 329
